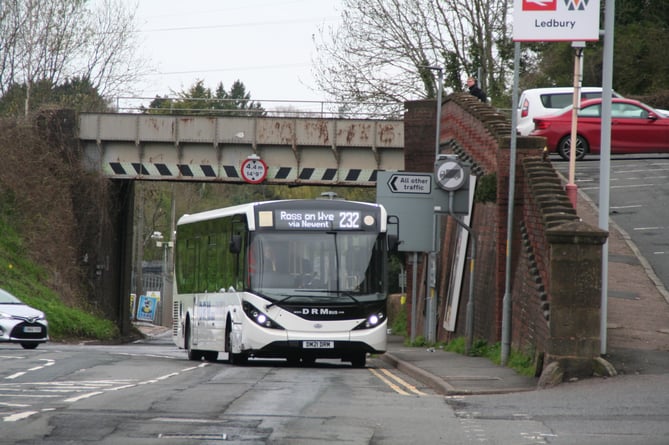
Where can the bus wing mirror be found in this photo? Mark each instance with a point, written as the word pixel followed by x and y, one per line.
pixel 393 242
pixel 393 238
pixel 236 244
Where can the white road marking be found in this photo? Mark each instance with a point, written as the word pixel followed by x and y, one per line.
pixel 83 396
pixel 16 375
pixel 102 387
pixel 19 416
pixel 14 405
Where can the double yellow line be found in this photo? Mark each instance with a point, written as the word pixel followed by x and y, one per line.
pixel 397 384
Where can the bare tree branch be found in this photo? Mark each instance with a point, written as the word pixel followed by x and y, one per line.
pixel 381 49
pixel 57 40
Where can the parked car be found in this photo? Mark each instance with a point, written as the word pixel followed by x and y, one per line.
pixel 544 101
pixel 635 128
pixel 20 323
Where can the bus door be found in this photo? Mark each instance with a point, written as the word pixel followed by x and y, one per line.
pixel 195 322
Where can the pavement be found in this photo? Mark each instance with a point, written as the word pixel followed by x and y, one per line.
pixel 637 330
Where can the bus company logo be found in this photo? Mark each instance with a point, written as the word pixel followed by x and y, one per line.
pixel 551 5
pixel 319 311
pixel 540 5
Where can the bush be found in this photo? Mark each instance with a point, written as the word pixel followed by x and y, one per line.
pixel 486 188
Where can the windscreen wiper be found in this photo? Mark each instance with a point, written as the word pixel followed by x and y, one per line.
pixel 278 302
pixel 345 293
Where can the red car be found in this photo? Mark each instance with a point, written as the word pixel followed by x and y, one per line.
pixel 635 128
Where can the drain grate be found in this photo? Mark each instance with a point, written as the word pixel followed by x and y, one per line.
pixel 194 436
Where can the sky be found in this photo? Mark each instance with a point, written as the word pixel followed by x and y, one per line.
pixel 266 44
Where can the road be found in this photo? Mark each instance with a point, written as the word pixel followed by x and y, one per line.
pixel 639 200
pixel 149 393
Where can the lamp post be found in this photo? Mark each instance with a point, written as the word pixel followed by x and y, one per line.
pixel 431 325
pixel 571 187
pixel 158 238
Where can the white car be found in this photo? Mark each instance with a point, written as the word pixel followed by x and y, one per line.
pixel 20 323
pixel 538 102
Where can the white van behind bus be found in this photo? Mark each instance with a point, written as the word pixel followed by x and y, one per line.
pixel 544 101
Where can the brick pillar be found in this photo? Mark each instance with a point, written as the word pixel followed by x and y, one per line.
pixel 575 267
pixel 420 127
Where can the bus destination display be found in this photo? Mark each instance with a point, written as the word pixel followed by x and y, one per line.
pixel 322 220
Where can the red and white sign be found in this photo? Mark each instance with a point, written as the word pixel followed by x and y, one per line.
pixel 555 20
pixel 539 5
pixel 254 170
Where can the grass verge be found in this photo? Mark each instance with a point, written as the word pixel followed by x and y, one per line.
pixel 522 363
pixel 24 279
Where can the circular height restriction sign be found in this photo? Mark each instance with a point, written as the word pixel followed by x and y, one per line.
pixel 254 170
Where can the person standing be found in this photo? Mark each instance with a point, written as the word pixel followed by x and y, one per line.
pixel 475 90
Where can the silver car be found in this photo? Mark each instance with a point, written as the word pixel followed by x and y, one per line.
pixel 19 323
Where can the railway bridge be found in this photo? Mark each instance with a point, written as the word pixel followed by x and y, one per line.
pixel 311 151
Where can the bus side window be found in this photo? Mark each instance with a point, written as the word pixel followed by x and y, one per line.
pixel 238 232
pixel 235 243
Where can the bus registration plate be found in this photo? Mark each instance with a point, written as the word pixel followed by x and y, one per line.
pixel 318 344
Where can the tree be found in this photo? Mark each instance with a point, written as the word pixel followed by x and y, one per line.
pixel 77 94
pixel 382 49
pixel 199 99
pixel 57 40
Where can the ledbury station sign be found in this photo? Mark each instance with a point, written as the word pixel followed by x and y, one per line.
pixel 555 20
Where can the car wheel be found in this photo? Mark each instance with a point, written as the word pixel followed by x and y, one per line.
pixel 30 345
pixel 564 146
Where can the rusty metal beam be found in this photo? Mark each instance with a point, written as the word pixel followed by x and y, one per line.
pixel 208 148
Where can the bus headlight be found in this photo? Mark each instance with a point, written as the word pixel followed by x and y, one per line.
pixel 260 318
pixel 372 321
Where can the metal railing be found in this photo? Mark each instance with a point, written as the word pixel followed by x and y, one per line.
pixel 268 108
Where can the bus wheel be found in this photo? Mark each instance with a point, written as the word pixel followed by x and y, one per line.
pixel 193 354
pixel 233 359
pixel 210 356
pixel 308 360
pixel 358 360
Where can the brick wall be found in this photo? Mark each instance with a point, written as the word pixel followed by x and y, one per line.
pixel 477 133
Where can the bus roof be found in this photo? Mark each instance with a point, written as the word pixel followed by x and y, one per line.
pixel 249 208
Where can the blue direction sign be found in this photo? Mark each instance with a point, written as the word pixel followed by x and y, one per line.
pixel 413 183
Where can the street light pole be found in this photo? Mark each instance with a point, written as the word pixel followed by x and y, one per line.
pixel 431 324
pixel 571 187
pixel 165 245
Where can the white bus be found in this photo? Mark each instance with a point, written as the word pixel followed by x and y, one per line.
pixel 295 279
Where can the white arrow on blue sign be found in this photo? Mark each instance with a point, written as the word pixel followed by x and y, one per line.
pixel 410 183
